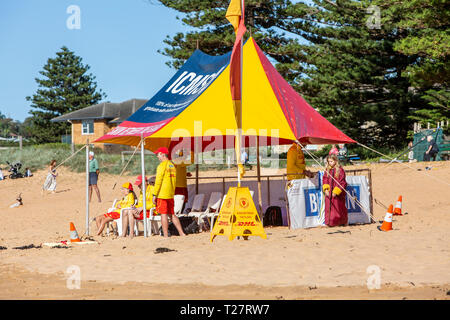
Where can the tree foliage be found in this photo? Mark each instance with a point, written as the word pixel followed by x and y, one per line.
pixel 65 87
pixel 369 80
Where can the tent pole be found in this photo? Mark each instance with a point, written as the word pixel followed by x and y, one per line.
pixel 196 178
pixel 144 193
pixel 87 187
pixel 258 172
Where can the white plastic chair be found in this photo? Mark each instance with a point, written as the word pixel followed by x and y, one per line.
pixel 119 221
pixel 152 222
pixel 197 205
pixel 178 200
pixel 214 204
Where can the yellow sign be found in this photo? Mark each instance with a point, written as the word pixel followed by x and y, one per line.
pixel 238 216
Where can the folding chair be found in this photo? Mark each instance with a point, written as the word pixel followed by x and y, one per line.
pixel 197 205
pixel 152 222
pixel 178 204
pixel 119 221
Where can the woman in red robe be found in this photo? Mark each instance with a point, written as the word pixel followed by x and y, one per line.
pixel 334 189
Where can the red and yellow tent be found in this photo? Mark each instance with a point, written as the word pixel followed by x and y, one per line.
pixel 196 102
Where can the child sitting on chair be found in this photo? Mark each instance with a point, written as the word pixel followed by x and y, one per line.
pixel 127 201
pixel 136 212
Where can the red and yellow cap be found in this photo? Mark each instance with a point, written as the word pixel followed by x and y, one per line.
pixel 128 186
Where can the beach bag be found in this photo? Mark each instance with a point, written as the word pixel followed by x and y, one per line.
pixel 193 227
pixel 172 231
pixel 273 217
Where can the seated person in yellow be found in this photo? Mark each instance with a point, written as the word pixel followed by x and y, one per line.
pixel 127 201
pixel 136 212
pixel 296 166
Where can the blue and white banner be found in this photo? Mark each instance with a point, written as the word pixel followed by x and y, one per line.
pixel 307 202
pixel 358 188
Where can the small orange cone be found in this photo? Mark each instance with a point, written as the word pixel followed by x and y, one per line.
pixel 398 207
pixel 387 223
pixel 74 234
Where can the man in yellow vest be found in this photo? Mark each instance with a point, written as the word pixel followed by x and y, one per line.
pixel 296 166
pixel 164 190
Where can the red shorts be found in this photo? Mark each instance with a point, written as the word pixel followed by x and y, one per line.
pixel 141 215
pixel 165 206
pixel 113 215
pixel 183 191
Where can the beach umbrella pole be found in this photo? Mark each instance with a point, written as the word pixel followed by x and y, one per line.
pixel 87 187
pixel 144 191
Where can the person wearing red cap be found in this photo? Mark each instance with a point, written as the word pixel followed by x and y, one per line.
pixel 136 212
pixel 127 201
pixel 165 190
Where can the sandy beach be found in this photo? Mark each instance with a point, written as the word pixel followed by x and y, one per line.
pixel 318 263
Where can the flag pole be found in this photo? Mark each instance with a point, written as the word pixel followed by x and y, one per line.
pixel 239 138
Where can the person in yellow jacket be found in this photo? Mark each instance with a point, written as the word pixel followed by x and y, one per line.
pixel 136 212
pixel 296 166
pixel 182 174
pixel 164 191
pixel 128 200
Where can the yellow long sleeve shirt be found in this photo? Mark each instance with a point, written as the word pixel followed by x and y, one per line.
pixel 127 201
pixel 148 198
pixel 165 180
pixel 295 163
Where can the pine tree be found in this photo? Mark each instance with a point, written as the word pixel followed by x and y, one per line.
pixel 66 87
pixel 428 40
pixel 344 66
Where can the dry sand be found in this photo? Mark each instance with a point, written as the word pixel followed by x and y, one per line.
pixel 319 263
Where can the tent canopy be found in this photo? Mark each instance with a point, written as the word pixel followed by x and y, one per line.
pixel 196 102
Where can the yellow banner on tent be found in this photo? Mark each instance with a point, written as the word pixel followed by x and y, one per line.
pixel 238 216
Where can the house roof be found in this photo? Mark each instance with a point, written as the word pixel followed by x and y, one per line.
pixel 114 112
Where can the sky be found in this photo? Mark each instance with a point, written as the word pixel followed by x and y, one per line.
pixel 118 39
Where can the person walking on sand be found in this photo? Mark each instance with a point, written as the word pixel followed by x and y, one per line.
pixel 334 185
pixel 164 191
pixel 136 212
pixel 93 176
pixel 50 180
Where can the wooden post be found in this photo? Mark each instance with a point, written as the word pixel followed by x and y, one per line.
pixel 371 193
pixel 20 142
pixel 223 185
pixel 196 178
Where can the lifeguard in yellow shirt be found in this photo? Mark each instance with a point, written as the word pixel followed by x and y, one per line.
pixel 136 212
pixel 296 166
pixel 127 201
pixel 164 191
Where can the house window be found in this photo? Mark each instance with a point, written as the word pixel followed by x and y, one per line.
pixel 87 127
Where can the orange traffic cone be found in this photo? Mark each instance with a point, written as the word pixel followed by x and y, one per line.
pixel 387 223
pixel 74 234
pixel 398 207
